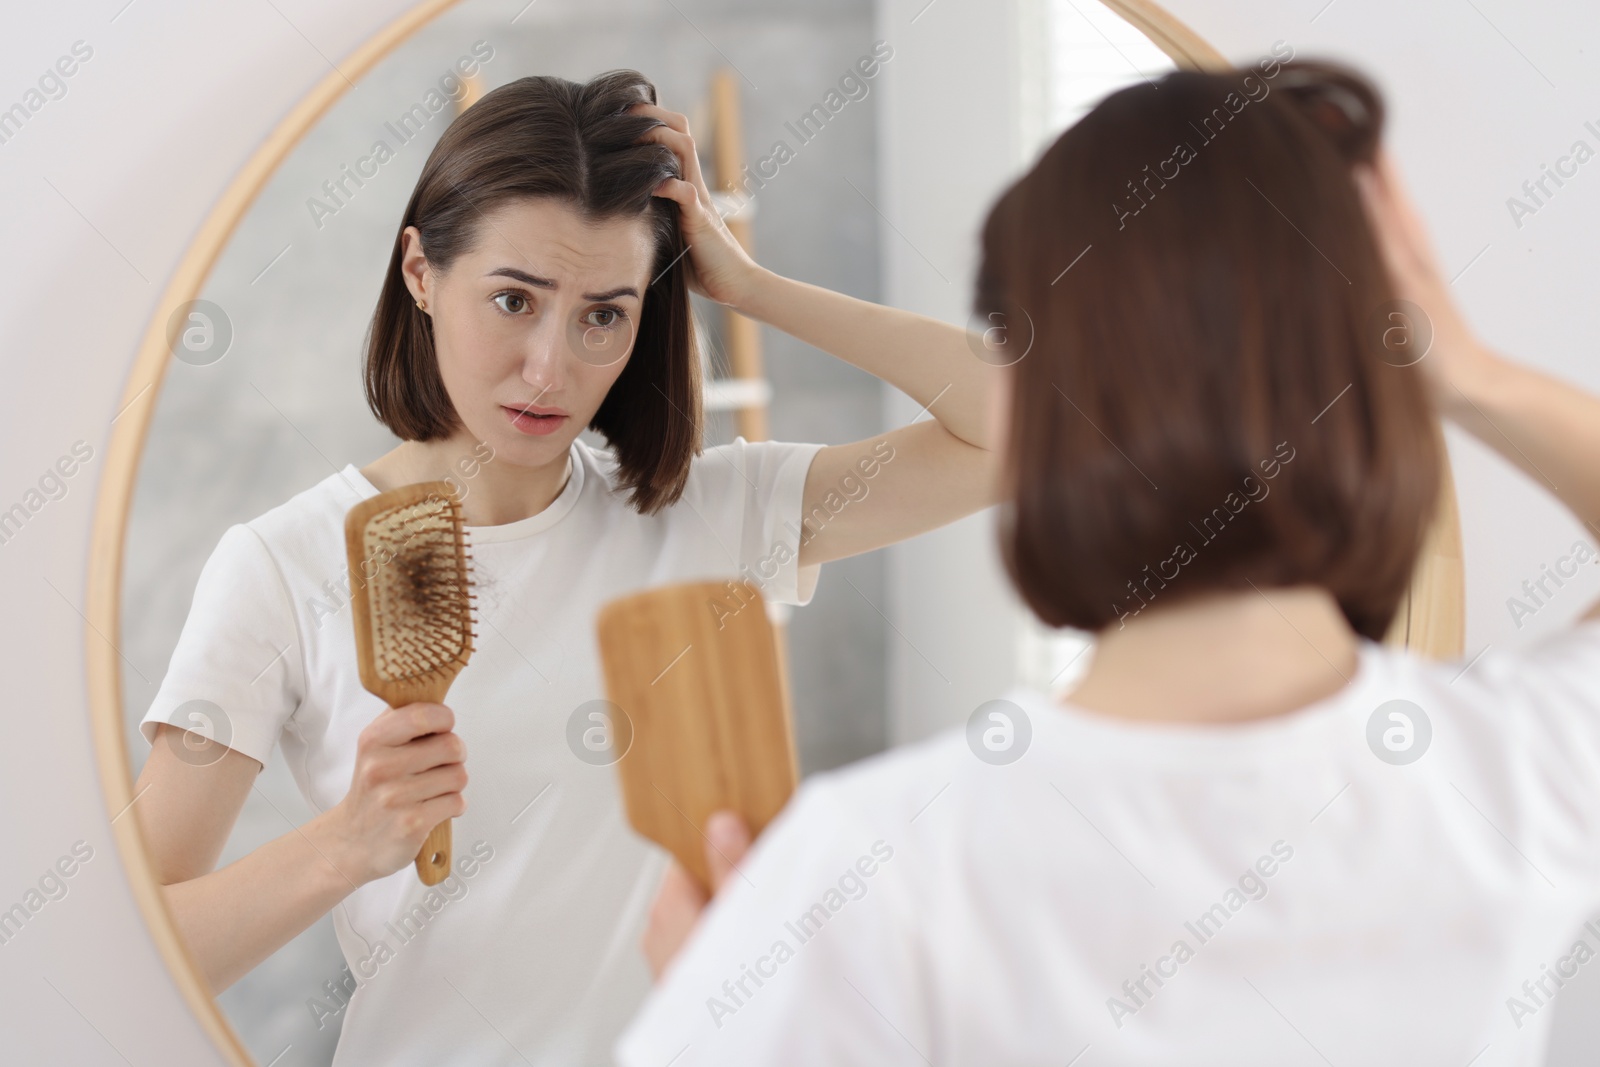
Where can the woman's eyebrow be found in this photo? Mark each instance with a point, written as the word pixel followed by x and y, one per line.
pixel 548 283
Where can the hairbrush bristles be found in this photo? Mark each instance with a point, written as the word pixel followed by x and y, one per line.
pixel 412 591
pixel 420 591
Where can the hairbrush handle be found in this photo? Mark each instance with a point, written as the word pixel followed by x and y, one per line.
pixel 433 859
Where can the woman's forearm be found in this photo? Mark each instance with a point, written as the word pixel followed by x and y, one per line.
pixel 1547 427
pixel 928 360
pixel 234 918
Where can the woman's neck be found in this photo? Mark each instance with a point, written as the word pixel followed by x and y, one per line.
pixel 493 491
pixel 1222 658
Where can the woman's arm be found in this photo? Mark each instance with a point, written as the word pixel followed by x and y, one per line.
pixel 234 918
pixel 1546 427
pixel 409 777
pixel 942 468
pixel 928 360
pixel 939 469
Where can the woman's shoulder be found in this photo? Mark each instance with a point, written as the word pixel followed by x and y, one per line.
pixel 309 526
pixel 1564 662
pixel 1548 687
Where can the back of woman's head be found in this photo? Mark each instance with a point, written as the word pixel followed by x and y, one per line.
pixel 1208 401
pixel 579 144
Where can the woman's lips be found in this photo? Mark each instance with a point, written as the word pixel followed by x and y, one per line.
pixel 535 425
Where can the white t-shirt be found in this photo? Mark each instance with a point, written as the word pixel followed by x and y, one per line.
pixel 528 952
pixel 1273 893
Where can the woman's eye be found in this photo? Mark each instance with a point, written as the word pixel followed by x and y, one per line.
pixel 604 317
pixel 517 300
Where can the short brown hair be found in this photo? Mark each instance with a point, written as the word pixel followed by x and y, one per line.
pixel 1228 310
pixel 577 143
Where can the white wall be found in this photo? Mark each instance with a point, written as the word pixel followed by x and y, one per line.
pixel 948 144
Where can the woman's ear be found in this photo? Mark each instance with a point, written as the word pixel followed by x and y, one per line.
pixel 414 266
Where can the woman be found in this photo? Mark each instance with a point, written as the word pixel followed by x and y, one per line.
pixel 539 285
pixel 1251 834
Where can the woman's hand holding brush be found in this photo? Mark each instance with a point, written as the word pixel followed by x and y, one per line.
pixel 409 776
pixel 680 900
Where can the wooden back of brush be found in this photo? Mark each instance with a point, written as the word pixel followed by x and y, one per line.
pixel 694 667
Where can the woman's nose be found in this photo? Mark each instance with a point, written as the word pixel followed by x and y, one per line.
pixel 544 356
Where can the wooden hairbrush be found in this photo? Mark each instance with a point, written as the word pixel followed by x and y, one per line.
pixel 411 596
pixel 695 670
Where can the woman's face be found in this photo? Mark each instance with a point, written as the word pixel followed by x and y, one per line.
pixel 535 322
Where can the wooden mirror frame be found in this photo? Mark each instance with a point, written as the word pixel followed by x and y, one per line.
pixel 1431 620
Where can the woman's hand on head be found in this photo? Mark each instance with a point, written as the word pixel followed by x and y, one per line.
pixel 720 268
pixel 1455 357
pixel 680 900
pixel 409 776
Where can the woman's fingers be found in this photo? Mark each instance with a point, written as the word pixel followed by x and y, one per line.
pixel 1385 226
pixel 679 190
pixel 727 841
pixel 434 750
pixel 1400 205
pixel 719 267
pixel 676 119
pixel 675 135
pixel 694 195
pixel 449 780
pixel 1412 245
pixel 1395 235
pixel 397 726
pixel 1453 348
pixel 673 915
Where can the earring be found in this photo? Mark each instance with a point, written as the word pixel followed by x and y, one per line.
pixel 421 306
